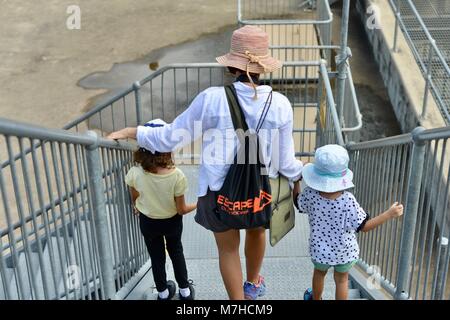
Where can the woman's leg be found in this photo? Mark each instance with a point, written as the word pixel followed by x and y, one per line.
pixel 341 280
pixel 255 246
pixel 230 262
pixel 317 283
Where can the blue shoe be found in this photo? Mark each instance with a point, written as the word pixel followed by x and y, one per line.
pixel 308 295
pixel 253 291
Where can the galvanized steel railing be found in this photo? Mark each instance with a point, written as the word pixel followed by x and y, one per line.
pixel 409 256
pixel 351 121
pixel 427 35
pixel 66 224
pixel 69 232
pixel 302 30
pixel 328 129
pixel 298 30
pixel 168 91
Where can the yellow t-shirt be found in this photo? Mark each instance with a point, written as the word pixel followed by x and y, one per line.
pixel 157 191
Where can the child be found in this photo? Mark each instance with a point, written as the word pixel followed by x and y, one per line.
pixel 334 218
pixel 157 191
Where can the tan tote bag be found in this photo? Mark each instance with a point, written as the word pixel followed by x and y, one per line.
pixel 283 212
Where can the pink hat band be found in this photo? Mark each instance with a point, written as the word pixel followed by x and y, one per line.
pixel 252 58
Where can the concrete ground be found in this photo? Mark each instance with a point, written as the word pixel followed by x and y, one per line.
pixel 116 42
pixel 42 60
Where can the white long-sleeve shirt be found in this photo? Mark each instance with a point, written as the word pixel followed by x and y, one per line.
pixel 209 117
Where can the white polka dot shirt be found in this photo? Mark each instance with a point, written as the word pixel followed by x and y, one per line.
pixel 333 226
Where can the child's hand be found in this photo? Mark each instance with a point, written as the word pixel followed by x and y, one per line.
pixel 396 210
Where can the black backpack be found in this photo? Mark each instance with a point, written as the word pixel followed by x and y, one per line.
pixel 244 201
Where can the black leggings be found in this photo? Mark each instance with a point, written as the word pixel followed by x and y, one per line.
pixel 154 232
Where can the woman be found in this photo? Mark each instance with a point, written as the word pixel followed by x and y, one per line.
pixel 248 58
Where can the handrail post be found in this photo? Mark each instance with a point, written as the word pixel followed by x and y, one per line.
pixel 443 247
pixel 342 61
pixel 397 17
pixel 428 79
pixel 97 195
pixel 410 217
pixel 137 97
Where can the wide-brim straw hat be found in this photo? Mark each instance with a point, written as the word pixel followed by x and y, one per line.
pixel 329 172
pixel 249 52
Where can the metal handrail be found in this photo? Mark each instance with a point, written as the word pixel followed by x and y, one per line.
pixel 380 143
pixel 28 130
pixel 344 67
pixel 97 108
pixel 71 209
pixel 69 201
pixel 136 85
pixel 433 134
pixel 286 21
pixel 93 179
pixel 335 117
pixel 431 40
pixel 413 168
pixel 426 65
pixel 355 104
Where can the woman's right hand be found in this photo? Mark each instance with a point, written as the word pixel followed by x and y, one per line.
pixel 126 133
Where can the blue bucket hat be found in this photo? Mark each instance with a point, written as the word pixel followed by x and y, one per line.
pixel 329 172
pixel 153 124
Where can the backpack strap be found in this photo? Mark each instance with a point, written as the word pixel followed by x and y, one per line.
pixel 236 112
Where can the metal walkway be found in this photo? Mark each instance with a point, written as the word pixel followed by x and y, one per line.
pixel 67 230
pixel 287 267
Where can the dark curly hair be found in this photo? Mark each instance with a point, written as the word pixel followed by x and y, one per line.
pixel 150 162
pixel 233 71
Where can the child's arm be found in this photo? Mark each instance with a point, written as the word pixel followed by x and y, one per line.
pixel 295 194
pixel 395 211
pixel 296 190
pixel 134 196
pixel 182 207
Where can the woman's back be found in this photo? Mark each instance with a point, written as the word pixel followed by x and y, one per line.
pixel 209 115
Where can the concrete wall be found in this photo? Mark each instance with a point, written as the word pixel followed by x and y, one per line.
pixel 399 70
